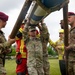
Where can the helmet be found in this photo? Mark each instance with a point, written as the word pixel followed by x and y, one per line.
pixel 61 31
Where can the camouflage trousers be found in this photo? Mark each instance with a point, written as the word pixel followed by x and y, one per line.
pixel 71 63
pixel 46 64
pixel 35 69
pixel 35 63
pixel 2 69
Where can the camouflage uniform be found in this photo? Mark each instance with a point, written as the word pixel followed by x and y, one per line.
pixel 3 47
pixel 45 39
pixel 71 54
pixel 35 53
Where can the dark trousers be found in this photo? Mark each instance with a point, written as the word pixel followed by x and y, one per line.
pixel 21 73
pixel 62 66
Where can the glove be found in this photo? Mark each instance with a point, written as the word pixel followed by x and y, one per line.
pixel 19 61
pixel 19 34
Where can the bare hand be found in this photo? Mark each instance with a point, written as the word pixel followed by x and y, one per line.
pixel 11 41
pixel 68 47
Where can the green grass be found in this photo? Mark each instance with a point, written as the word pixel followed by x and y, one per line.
pixel 54 67
pixel 11 66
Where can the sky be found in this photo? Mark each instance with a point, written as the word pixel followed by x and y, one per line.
pixel 13 8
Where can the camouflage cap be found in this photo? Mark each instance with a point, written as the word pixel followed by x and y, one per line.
pixel 32 28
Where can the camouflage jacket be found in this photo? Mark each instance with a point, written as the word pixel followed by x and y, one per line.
pixel 44 34
pixel 34 45
pixel 72 38
pixel 4 45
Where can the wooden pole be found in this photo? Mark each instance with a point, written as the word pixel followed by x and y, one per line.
pixel 21 17
pixel 65 17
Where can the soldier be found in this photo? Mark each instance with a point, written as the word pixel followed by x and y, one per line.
pixel 62 24
pixel 59 47
pixel 71 47
pixel 35 54
pixel 35 49
pixel 21 53
pixel 4 45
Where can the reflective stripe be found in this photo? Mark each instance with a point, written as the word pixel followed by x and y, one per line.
pixel 22 49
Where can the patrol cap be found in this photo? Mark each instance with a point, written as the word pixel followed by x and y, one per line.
pixel 3 16
pixel 61 31
pixel 71 14
pixel 32 28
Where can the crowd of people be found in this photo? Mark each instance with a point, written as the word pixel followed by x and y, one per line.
pixel 31 47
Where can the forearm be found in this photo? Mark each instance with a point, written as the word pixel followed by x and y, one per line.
pixel 25 31
pixel 44 32
pixel 72 46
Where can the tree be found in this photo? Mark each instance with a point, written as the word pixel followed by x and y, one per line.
pixel 51 51
pixel 13 51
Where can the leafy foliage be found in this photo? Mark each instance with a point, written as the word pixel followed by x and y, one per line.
pixel 51 51
pixel 13 51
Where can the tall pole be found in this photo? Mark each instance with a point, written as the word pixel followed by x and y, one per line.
pixel 21 17
pixel 65 17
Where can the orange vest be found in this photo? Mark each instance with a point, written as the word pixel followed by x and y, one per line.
pixel 21 48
